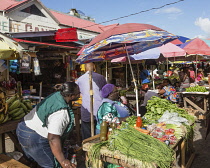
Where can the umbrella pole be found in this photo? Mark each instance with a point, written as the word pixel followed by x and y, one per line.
pixel 167 64
pixel 126 75
pixel 153 80
pixel 138 73
pixel 196 67
pixel 106 71
pixel 91 103
pixel 136 89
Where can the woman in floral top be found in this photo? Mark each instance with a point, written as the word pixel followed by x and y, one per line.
pixel 168 91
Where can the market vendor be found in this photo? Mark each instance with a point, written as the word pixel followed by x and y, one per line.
pixel 184 77
pixel 111 109
pixel 43 131
pixel 168 91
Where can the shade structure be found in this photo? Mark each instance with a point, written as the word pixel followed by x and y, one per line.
pixel 207 41
pixel 196 47
pixel 137 37
pixel 167 50
pixel 153 53
pixel 125 40
pixel 9 49
pixel 171 50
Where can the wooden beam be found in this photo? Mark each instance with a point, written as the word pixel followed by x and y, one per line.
pixel 194 105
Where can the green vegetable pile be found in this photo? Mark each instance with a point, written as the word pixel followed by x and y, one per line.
pixel 157 106
pixel 136 145
pixel 196 89
pixel 131 120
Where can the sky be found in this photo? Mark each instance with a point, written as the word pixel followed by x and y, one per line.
pixel 188 18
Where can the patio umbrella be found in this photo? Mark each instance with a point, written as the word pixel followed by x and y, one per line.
pixel 196 47
pixel 124 40
pixel 9 49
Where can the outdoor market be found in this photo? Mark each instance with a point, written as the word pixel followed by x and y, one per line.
pixel 119 96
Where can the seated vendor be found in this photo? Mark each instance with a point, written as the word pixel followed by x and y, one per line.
pixel 111 109
pixel 168 91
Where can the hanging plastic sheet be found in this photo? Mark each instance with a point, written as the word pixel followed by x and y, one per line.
pixel 37 70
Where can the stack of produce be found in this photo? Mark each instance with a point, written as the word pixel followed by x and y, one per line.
pixel 156 107
pixel 17 107
pixel 136 145
pixel 3 108
pixel 196 89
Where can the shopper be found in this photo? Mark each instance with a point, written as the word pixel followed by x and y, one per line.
pixel 144 75
pixel 83 82
pixel 42 132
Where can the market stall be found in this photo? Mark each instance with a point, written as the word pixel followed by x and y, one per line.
pixel 198 98
pixel 162 138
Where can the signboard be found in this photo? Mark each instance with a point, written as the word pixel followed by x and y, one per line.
pixel 4 24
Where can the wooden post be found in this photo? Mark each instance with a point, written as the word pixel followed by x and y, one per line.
pixel 183 146
pixel 91 103
pixel 40 92
pixel 1 143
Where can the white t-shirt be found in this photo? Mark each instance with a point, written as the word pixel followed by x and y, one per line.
pixel 56 123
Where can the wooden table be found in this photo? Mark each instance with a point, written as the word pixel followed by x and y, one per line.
pixel 7 162
pixel 205 98
pixel 9 129
pixel 120 159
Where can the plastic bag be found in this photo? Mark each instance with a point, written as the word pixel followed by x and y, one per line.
pixel 172 118
pixel 15 155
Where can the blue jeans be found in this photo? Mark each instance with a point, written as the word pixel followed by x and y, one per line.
pixel 35 146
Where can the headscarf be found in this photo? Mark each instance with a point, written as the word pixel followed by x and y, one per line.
pixel 106 90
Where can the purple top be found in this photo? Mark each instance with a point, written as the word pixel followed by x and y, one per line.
pixel 83 82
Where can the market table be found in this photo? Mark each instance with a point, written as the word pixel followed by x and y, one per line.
pixel 205 98
pixel 122 160
pixel 9 129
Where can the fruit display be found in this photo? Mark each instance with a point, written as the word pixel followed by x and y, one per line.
pixel 196 89
pixel 3 107
pixel 13 108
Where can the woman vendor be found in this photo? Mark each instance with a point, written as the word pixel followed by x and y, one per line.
pixel 168 91
pixel 43 130
pixel 111 109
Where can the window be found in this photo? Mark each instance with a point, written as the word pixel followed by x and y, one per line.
pixel 33 10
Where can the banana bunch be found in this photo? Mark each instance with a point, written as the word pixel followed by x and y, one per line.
pixel 3 108
pixel 18 108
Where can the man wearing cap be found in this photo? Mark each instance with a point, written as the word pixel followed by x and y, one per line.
pixel 83 82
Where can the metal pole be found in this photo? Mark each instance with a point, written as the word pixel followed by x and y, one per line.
pixel 196 67
pixel 91 103
pixel 106 71
pixel 126 75
pixel 134 81
pixel 40 92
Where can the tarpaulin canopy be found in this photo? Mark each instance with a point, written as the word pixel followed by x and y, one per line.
pixel 9 49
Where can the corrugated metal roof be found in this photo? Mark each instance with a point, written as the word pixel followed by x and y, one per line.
pixel 66 19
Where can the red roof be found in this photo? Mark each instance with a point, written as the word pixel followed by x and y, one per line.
pixel 8 4
pixel 66 19
pixel 63 18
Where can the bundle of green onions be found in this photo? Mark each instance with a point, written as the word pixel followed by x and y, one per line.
pixel 136 145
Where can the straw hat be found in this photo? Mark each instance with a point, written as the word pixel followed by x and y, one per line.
pixel 200 69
